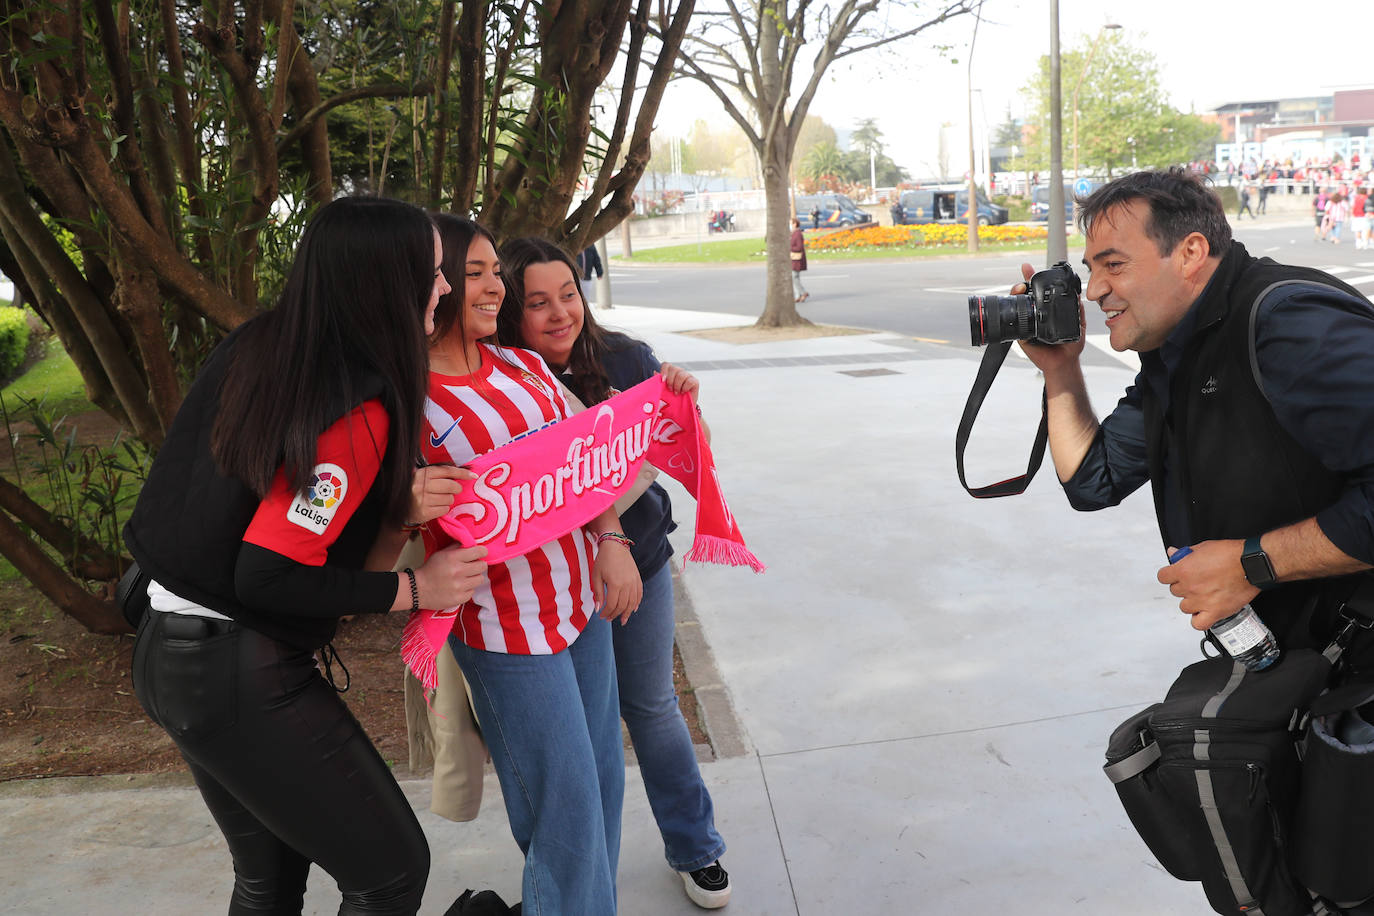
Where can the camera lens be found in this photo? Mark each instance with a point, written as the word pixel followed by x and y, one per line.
pixel 993 319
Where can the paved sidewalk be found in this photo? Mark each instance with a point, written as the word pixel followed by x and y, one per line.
pixel 922 683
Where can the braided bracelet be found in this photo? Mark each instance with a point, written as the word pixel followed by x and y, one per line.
pixel 414 590
pixel 614 536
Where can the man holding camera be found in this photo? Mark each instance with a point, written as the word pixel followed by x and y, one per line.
pixel 1252 416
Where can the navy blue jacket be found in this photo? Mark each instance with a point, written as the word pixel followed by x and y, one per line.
pixel 648 522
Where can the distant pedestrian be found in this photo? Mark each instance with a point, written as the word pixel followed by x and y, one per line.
pixel 798 247
pixel 1359 218
pixel 898 213
pixel 1319 213
pixel 591 263
pixel 1245 201
pixel 1264 190
pixel 815 218
pixel 1337 212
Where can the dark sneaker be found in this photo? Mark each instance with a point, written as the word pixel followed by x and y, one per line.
pixel 709 887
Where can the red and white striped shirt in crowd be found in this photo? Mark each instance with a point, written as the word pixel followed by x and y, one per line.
pixel 535 604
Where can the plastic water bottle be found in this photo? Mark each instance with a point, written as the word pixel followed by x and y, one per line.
pixel 1243 635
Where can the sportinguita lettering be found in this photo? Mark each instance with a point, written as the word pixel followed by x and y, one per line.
pixel 601 457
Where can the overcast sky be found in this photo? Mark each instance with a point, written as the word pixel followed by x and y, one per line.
pixel 1210 52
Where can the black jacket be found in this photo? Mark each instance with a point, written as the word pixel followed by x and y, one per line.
pixel 187 528
pixel 1238 472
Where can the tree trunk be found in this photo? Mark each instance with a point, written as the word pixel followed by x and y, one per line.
pixel 780 308
pixel 94 614
pixel 90 560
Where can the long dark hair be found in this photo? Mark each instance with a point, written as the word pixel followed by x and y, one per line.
pixel 456 234
pixel 589 379
pixel 352 308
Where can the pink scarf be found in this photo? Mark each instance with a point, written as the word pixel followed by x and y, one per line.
pixel 543 484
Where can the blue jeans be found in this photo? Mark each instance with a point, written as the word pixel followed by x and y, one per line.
pixel 667 761
pixel 551 724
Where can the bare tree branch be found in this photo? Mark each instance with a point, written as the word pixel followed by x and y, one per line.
pixel 90 312
pixel 950 11
pixel 127 145
pixel 380 91
pixel 286 42
pixel 623 185
pixel 436 174
pixel 96 615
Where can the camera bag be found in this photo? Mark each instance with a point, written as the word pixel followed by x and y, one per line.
pixel 1209 778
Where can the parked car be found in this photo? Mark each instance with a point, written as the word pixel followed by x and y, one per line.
pixel 1040 199
pixel 948 205
pixel 836 210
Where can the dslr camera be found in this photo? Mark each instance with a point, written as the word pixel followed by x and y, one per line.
pixel 1047 313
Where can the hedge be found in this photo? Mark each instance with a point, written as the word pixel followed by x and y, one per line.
pixel 14 340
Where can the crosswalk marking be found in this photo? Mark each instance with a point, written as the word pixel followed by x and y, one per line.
pixel 1336 269
pixel 1102 342
pixel 1004 290
pixel 1356 281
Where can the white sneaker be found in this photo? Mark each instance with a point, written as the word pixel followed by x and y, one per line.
pixel 709 887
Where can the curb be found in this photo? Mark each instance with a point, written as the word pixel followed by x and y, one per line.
pixel 714 705
pixel 54 786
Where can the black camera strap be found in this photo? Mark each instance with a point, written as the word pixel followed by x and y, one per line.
pixel 987 371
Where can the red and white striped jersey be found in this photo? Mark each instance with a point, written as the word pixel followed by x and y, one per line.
pixel 535 604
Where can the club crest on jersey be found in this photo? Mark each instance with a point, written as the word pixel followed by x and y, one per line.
pixel 538 382
pixel 314 509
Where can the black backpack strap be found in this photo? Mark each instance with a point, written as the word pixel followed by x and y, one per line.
pixel 1341 699
pixel 987 371
pixel 1355 614
pixel 1254 317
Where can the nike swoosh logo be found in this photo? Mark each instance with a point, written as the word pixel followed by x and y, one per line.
pixel 436 441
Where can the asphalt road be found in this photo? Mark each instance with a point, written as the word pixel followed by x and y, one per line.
pixel 927 297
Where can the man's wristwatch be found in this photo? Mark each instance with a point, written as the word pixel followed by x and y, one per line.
pixel 1259 572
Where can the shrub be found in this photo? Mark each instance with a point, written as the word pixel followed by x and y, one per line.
pixel 14 341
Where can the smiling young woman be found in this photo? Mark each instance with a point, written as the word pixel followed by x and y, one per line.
pixel 534 643
pixel 544 310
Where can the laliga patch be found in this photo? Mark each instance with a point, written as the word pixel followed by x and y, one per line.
pixel 314 509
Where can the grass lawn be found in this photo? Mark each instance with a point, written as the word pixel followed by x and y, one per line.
pixel 53 380
pixel 751 251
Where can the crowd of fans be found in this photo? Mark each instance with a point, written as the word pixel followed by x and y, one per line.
pixel 1278 176
pixel 1339 188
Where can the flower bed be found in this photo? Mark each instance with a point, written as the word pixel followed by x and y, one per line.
pixel 870 238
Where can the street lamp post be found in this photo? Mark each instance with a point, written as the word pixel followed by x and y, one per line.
pixel 972 183
pixel 1078 83
pixel 1058 247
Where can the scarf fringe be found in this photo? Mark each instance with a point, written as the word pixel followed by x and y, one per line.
pixel 418 654
pixel 707 548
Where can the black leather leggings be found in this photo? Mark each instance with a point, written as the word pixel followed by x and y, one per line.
pixel 288 773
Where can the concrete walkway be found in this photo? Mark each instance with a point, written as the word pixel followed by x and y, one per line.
pixel 911 704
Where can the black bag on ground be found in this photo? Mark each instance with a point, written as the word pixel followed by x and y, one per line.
pixel 1209 778
pixel 1333 830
